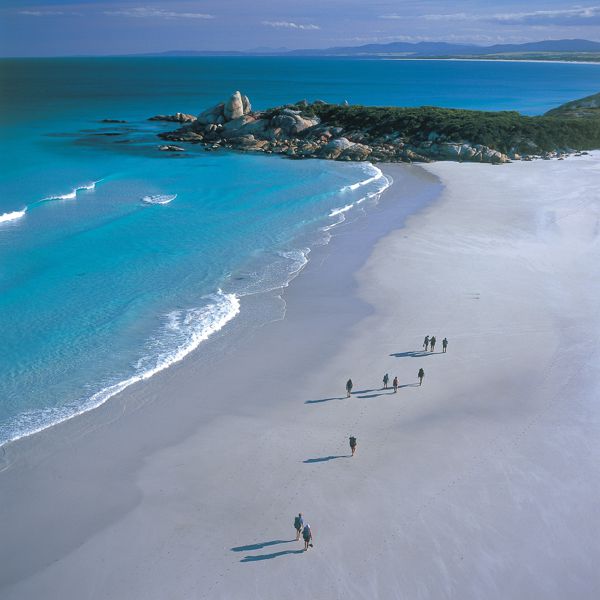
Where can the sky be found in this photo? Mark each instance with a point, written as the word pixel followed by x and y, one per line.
pixel 98 27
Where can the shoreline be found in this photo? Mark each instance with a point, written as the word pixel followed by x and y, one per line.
pixel 511 60
pixel 231 297
pixel 191 476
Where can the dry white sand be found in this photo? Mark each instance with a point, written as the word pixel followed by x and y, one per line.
pixel 482 483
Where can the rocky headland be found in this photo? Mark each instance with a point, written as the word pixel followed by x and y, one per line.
pixel 390 134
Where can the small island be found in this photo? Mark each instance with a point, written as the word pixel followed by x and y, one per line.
pixel 391 134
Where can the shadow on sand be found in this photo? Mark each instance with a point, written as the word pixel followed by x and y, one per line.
pixel 414 354
pixel 261 545
pixel 270 556
pixel 309 461
pixel 325 400
pixel 382 393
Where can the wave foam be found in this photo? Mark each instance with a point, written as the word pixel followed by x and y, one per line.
pixel 73 193
pixel 339 211
pixel 376 174
pixel 159 198
pixel 12 216
pixel 183 332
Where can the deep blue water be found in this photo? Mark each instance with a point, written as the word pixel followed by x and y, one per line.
pixel 98 287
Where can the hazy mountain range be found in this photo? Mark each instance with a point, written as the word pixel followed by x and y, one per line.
pixel 412 50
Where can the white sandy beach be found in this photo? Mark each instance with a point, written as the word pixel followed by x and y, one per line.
pixel 481 484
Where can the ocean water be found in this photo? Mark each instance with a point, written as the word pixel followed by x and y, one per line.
pixel 117 260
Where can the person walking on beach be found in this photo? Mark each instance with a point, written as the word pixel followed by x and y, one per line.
pixel 386 378
pixel 426 343
pixel 395 384
pixel 307 536
pixel 420 375
pixel 353 444
pixel 432 342
pixel 298 525
pixel 348 387
pixel 444 344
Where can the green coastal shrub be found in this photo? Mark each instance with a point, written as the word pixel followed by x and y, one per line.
pixel 503 131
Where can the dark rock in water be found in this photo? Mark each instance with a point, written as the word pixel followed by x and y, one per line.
pixel 169 148
pixel 176 118
pixel 111 121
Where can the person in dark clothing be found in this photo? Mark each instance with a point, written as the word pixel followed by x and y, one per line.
pixel 298 525
pixel 426 343
pixel 307 536
pixel 349 387
pixel 353 444
pixel 444 344
pixel 395 384
pixel 432 342
pixel 386 378
pixel 421 375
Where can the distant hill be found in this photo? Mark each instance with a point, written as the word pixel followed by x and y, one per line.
pixel 584 50
pixel 444 49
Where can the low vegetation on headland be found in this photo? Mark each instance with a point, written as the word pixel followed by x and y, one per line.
pixel 391 134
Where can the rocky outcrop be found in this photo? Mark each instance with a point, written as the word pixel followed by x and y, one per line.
pixel 297 131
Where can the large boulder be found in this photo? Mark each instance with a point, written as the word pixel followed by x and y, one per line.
pixel 356 152
pixel 223 112
pixel 234 107
pixel 211 115
pixel 292 122
pixel 238 126
pixel 334 148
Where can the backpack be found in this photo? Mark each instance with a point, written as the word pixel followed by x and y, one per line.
pixel 352 441
pixel 297 523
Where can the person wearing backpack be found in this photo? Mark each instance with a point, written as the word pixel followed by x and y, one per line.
pixel 386 378
pixel 298 525
pixel 353 444
pixel 349 387
pixel 307 536
pixel 420 375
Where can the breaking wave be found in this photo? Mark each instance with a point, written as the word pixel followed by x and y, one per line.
pixel 12 216
pixel 159 198
pixel 182 332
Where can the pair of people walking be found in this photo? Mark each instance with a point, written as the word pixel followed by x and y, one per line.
pixel 429 343
pixel 386 378
pixel 303 529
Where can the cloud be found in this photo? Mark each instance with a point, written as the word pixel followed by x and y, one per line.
pixel 145 13
pixel 589 15
pixel 290 25
pixel 43 13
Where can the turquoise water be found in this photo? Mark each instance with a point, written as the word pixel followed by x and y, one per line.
pixel 117 260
